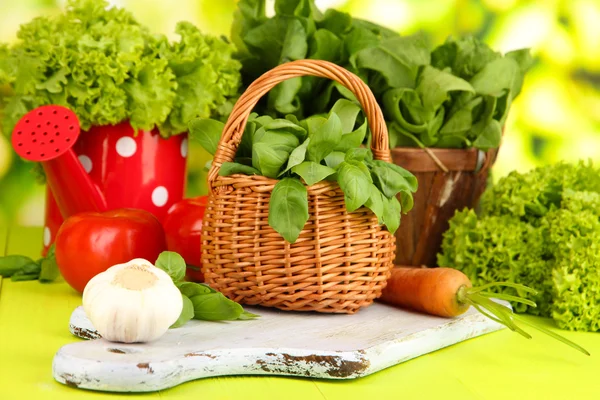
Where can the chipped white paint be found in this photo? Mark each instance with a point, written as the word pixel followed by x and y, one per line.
pixel 448 188
pixel 278 343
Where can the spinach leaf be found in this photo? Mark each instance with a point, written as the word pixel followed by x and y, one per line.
pixel 207 132
pixel 173 264
pixel 355 184
pixel 288 208
pixel 497 76
pixel 490 137
pixel 434 87
pixel 325 45
pixel 312 172
pixel 324 136
pixel 396 58
pixel 230 168
pixel 187 312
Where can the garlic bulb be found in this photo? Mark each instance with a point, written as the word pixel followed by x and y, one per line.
pixel 132 302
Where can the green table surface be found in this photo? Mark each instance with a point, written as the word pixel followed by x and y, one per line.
pixel 502 365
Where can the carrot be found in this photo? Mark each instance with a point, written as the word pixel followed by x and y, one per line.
pixel 447 292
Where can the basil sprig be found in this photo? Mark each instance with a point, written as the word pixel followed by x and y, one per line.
pixel 304 153
pixel 200 301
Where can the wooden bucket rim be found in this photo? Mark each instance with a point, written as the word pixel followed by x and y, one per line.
pixel 419 160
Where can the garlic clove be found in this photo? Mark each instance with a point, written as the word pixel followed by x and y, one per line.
pixel 132 302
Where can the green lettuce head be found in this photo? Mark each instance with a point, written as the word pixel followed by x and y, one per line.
pixel 106 67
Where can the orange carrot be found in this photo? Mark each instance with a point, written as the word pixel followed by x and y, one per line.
pixel 430 290
pixel 447 292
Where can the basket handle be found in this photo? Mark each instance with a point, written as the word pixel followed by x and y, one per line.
pixel 236 123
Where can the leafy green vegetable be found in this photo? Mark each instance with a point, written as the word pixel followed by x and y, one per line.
pixel 230 168
pixel 312 172
pixel 187 312
pixel 101 63
pixel 200 301
pixel 305 152
pixel 48 267
pixel 173 264
pixel 539 229
pixel 288 208
pixel 431 98
pixel 10 264
pixel 207 132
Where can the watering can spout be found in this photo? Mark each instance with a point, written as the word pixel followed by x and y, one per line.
pixel 47 135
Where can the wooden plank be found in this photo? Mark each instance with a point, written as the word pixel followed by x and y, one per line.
pixel 278 343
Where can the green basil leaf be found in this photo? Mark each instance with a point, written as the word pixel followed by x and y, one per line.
pixel 9 265
pixel 29 271
pixel 48 268
pixel 268 160
pixel 434 87
pixel 297 156
pixel 312 172
pixel 375 202
pixel 406 202
pixel 191 289
pixel 173 264
pixel 355 184
pixel 246 316
pixel 187 312
pixel 347 111
pixel 413 184
pixel 207 132
pixel 278 140
pixel 285 125
pixel 388 180
pixel 490 137
pixel 334 159
pixel 353 139
pixel 391 213
pixel 230 168
pixel 358 154
pixel 324 138
pixel 288 208
pixel 215 307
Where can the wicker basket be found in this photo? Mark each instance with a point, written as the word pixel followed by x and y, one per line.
pixel 340 262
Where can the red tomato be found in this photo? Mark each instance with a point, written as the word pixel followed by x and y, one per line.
pixel 183 229
pixel 90 243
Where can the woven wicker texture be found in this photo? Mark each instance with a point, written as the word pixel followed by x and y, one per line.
pixel 340 262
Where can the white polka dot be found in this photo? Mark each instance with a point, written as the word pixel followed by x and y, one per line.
pixel 86 162
pixel 184 148
pixel 126 146
pixel 47 236
pixel 160 195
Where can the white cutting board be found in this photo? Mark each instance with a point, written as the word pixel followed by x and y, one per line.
pixel 278 343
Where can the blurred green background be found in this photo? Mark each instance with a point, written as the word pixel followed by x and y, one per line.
pixel 556 117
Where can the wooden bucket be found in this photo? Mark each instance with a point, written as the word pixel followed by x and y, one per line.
pixel 439 195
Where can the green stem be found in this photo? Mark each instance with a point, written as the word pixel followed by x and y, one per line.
pixel 501 314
